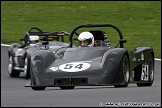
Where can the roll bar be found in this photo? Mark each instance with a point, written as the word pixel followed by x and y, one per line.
pixel 121 40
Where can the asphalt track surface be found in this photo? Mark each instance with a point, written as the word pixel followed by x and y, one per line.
pixel 14 94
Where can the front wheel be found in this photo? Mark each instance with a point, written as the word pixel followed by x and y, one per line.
pixel 38 88
pixel 125 71
pixel 27 68
pixel 11 71
pixel 67 87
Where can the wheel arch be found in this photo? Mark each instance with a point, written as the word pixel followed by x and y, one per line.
pixel 111 62
pixel 118 78
pixel 45 58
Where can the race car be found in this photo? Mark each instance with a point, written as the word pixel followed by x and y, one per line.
pixel 19 55
pixel 102 65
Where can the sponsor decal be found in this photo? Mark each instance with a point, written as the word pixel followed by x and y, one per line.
pixel 142 56
pixel 74 66
pixel 54 68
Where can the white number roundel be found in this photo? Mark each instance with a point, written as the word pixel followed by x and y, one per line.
pixel 74 66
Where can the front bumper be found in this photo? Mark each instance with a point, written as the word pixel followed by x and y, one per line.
pixel 93 80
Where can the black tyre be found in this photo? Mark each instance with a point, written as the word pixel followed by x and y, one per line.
pixel 11 71
pixel 38 88
pixel 67 87
pixel 125 71
pixel 151 74
pixel 27 68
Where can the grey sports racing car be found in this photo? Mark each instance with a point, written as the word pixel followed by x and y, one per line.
pixel 19 55
pixel 102 65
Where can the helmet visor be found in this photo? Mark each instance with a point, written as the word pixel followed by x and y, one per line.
pixel 85 43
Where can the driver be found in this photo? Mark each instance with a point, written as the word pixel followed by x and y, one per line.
pixel 86 39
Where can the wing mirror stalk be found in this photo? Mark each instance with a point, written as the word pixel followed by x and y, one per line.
pixel 45 43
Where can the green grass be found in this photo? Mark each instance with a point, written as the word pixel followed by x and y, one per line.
pixel 139 21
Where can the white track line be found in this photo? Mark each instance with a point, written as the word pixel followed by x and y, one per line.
pixel 9 45
pixel 4 45
pixel 157 59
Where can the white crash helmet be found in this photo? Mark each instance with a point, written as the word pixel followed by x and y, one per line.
pixel 87 36
pixel 34 39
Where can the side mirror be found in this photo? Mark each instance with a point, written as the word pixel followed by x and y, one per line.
pixel 45 43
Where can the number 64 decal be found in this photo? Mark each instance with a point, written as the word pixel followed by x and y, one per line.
pixel 74 66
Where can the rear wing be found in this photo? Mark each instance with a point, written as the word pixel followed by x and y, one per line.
pixel 44 36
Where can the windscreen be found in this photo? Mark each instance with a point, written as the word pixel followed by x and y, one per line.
pixel 84 53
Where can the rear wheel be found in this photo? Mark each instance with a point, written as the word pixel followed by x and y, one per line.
pixel 67 87
pixel 11 71
pixel 151 74
pixel 126 72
